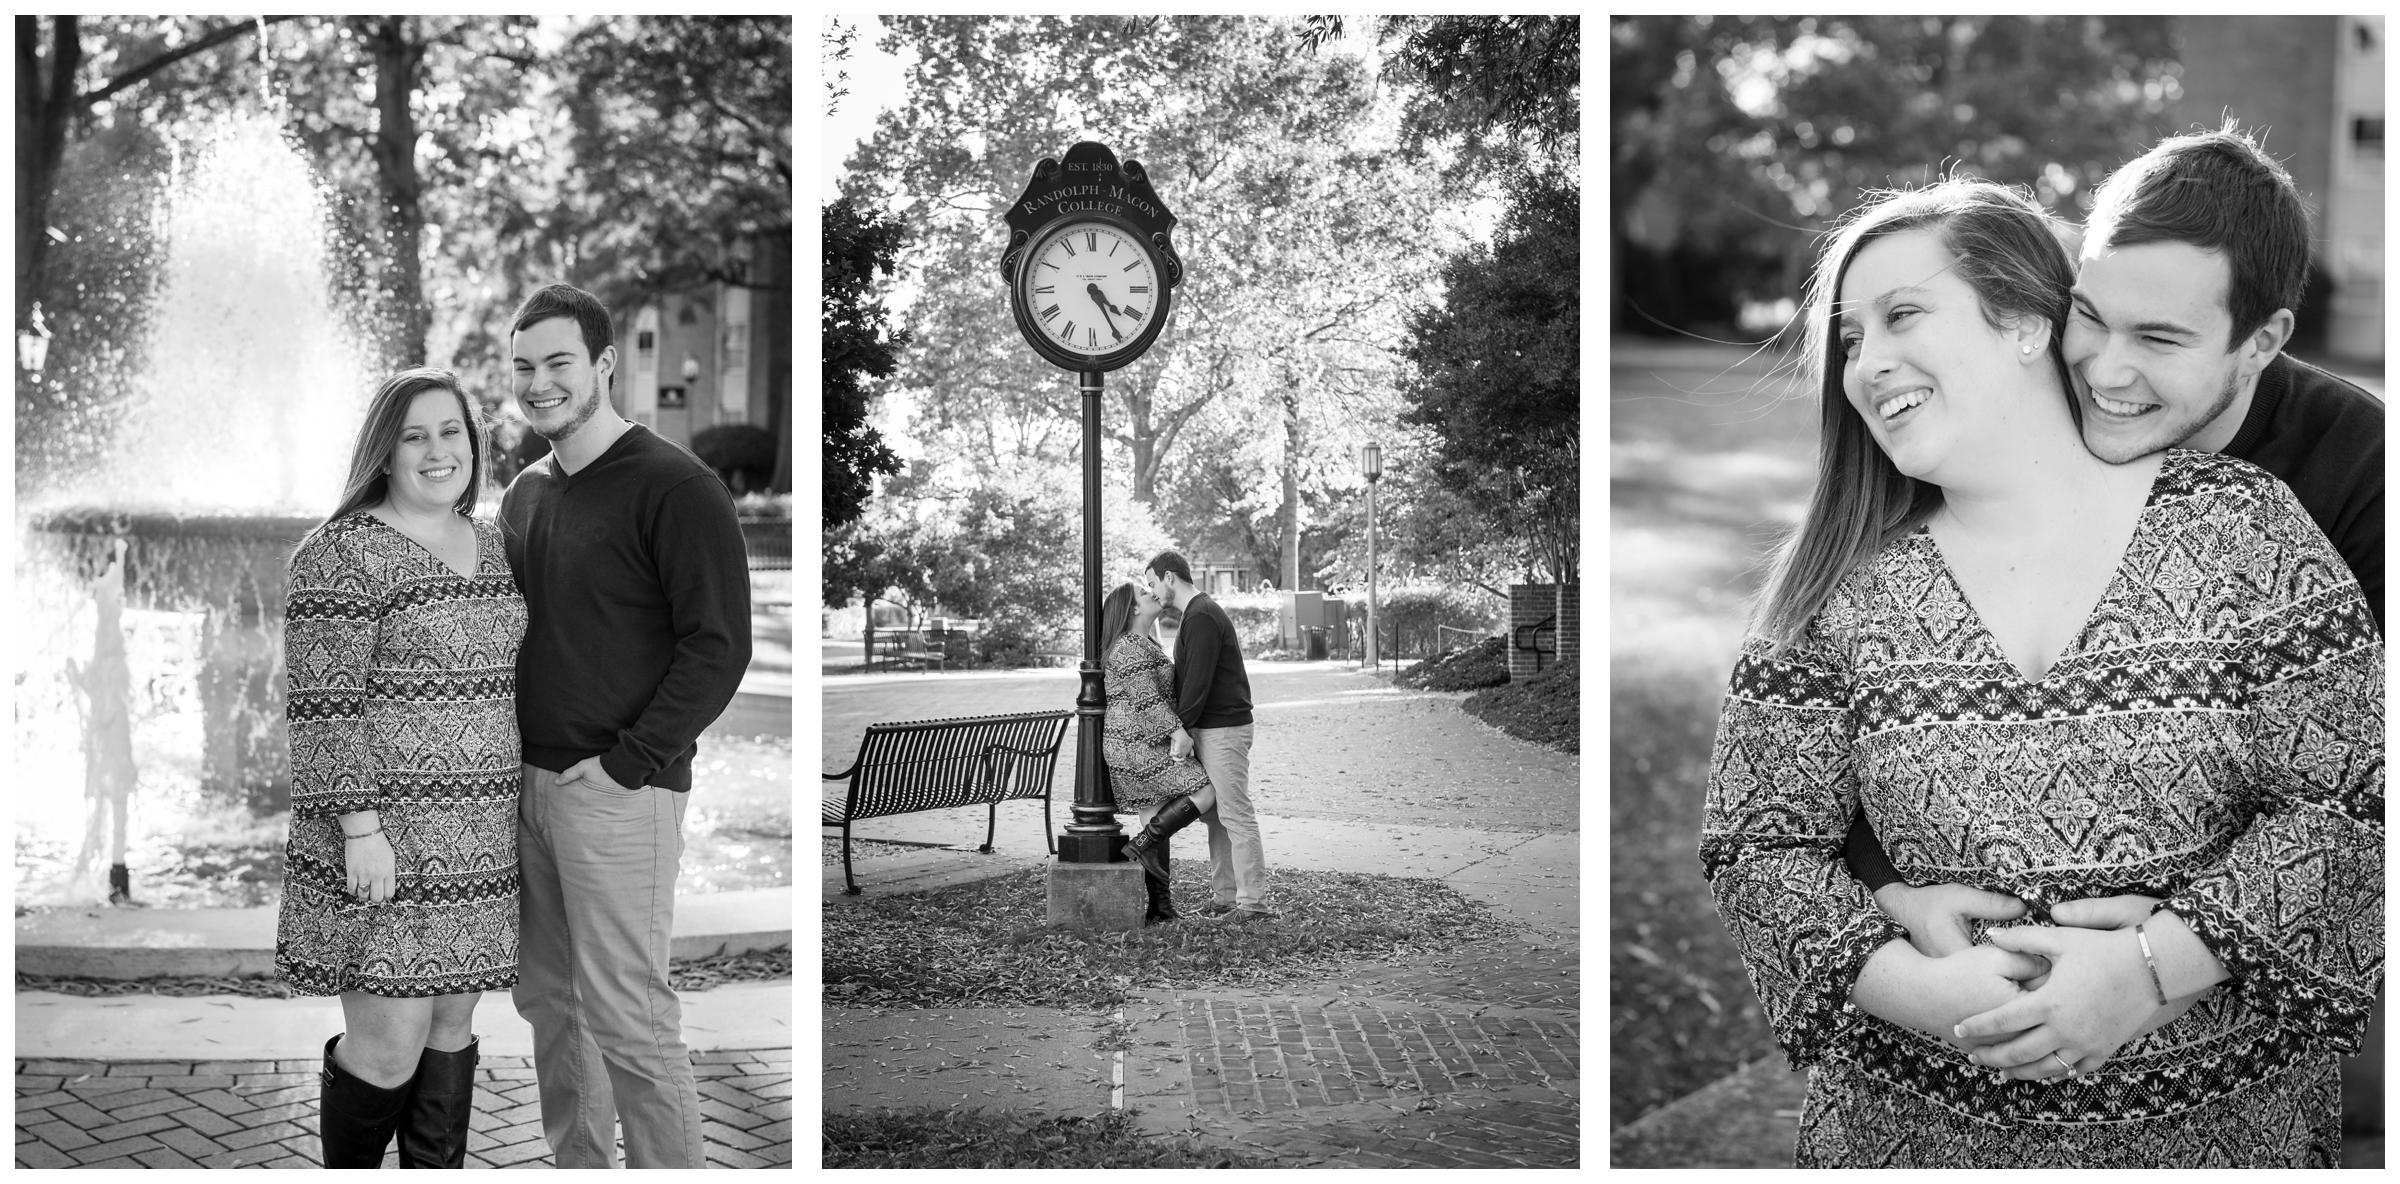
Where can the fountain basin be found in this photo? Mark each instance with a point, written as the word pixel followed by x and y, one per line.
pixel 115 943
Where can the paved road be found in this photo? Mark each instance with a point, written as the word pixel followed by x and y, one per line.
pixel 243 1114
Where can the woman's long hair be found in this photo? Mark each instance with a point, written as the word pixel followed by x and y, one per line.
pixel 1116 618
pixel 2011 254
pixel 387 414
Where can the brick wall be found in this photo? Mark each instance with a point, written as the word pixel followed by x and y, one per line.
pixel 1529 604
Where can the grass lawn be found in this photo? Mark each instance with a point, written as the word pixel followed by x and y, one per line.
pixel 1709 457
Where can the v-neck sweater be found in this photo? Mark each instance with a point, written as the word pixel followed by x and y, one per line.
pixel 637 585
pixel 2324 438
pixel 2212 737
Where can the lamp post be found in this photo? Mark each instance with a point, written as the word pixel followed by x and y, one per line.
pixel 1370 463
pixel 33 345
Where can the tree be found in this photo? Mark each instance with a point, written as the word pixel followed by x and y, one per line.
pixel 683 137
pixel 1735 139
pixel 860 244
pixel 1497 375
pixel 1285 169
pixel 53 102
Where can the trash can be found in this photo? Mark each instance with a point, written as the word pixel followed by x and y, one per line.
pixel 1316 643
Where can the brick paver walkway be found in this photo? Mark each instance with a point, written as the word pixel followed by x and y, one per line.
pixel 237 1114
pixel 1391 1067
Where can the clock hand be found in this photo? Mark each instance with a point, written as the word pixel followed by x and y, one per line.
pixel 1105 310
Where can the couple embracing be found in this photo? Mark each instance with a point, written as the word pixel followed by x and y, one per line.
pixel 1177 738
pixel 2046 809
pixel 492 731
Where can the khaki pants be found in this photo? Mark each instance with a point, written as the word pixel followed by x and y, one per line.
pixel 1237 858
pixel 597 913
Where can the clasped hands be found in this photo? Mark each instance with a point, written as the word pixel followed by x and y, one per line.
pixel 2038 1002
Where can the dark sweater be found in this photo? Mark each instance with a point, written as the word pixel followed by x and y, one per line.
pixel 637 590
pixel 2321 436
pixel 1212 690
pixel 2324 438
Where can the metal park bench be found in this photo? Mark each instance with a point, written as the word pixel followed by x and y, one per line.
pixel 936 764
pixel 905 645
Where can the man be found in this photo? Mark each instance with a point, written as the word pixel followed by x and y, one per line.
pixel 637 594
pixel 1212 698
pixel 2192 260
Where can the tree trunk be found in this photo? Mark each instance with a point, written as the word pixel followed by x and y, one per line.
pixel 777 251
pixel 407 319
pixel 1143 437
pixel 45 104
pixel 1289 516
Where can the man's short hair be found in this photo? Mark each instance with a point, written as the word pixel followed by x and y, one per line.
pixel 2219 191
pixel 567 300
pixel 1169 563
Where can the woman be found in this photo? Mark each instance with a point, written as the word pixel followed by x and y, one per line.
pixel 2051 677
pixel 1138 734
pixel 400 890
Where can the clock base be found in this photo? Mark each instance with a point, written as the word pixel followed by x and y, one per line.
pixel 1097 897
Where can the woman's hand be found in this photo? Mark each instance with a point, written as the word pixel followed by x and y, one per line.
pixel 2098 996
pixel 1938 917
pixel 1933 995
pixel 1181 746
pixel 373 872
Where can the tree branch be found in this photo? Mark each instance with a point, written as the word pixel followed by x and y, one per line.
pixel 140 73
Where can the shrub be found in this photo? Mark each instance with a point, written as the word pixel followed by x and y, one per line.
pixel 1256 619
pixel 742 454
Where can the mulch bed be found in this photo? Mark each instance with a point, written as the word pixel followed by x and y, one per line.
pixel 943 1138
pixel 1546 709
pixel 989 943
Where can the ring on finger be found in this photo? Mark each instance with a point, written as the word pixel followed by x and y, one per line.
pixel 2064 1063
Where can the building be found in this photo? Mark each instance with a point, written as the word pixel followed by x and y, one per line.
pixel 717 355
pixel 2314 85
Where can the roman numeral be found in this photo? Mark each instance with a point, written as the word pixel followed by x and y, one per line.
pixel 1069 335
pixel 1091 337
pixel 1091 240
pixel 1050 265
pixel 1069 244
pixel 1135 288
pixel 1049 312
pixel 1046 288
pixel 1130 266
pixel 1113 244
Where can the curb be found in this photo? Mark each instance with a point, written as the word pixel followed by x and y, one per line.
pixel 234 943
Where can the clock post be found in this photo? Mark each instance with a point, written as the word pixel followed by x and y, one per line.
pixel 1090 271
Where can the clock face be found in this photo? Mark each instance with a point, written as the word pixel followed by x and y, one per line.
pixel 1090 289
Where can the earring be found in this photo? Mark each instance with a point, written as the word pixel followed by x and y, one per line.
pixel 2027 351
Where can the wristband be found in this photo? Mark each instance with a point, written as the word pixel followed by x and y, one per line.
pixel 368 834
pixel 2152 963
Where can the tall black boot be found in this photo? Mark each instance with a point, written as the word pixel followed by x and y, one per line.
pixel 1162 896
pixel 433 1128
pixel 355 1119
pixel 1150 845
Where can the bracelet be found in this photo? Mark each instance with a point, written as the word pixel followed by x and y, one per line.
pixel 2152 963
pixel 346 835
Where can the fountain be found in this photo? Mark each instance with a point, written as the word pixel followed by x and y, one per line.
pixel 150 584
pixel 152 580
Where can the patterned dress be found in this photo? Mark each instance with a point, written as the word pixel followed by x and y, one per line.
pixel 1136 736
pixel 2213 736
pixel 401 699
